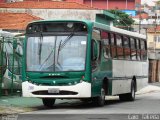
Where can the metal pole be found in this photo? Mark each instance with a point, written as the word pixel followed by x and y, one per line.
pixel 126 4
pixel 140 20
pixel 1 64
pixel 1 74
pixel 155 33
pixel 12 68
pixel 91 3
pixel 107 4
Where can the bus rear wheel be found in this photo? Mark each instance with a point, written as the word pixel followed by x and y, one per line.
pixel 129 96
pixel 48 102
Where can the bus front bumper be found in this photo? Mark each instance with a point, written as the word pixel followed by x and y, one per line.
pixel 80 90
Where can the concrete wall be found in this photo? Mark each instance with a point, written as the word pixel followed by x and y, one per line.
pixel 57 13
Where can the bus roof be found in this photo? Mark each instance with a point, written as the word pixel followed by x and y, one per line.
pixel 101 26
pixel 118 30
pixel 5 34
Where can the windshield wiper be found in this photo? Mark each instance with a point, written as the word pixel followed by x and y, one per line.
pixel 61 45
pixel 47 58
pixel 66 40
pixel 40 47
pixel 59 51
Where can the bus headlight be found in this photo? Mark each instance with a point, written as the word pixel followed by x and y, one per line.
pixel 30 87
pixel 81 81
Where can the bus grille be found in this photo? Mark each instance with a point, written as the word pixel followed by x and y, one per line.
pixel 62 92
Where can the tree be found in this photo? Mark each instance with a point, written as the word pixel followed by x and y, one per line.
pixel 122 19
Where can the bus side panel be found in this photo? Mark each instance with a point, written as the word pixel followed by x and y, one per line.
pixel 123 72
pixel 98 75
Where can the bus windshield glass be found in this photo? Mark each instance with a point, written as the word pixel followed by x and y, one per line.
pixel 54 53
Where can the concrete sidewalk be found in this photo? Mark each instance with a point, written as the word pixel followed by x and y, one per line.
pixel 150 88
pixel 17 104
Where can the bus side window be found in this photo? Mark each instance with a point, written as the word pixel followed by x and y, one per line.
pixel 143 50
pixel 105 39
pixel 113 45
pixel 120 53
pixel 138 48
pixel 133 49
pixel 126 47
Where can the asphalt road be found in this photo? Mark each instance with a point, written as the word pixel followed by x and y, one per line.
pixel 145 107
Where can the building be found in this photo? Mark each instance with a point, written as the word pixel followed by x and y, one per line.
pixel 100 4
pixel 154 53
pixel 110 4
pixel 16 22
pixel 59 10
pixel 2 1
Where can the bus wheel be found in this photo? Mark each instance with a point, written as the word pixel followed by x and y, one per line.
pixel 100 100
pixel 129 96
pixel 48 102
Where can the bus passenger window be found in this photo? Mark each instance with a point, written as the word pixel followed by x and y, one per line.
pixel 105 39
pixel 126 48
pixel 112 39
pixel 120 52
pixel 133 49
pixel 143 55
pixel 143 50
pixel 138 49
pixel 113 46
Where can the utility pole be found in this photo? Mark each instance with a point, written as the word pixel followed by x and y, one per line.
pixel 91 3
pixel 155 33
pixel 1 64
pixel 126 4
pixel 107 4
pixel 139 19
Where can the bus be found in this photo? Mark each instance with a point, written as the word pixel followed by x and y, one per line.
pixel 80 59
pixel 11 61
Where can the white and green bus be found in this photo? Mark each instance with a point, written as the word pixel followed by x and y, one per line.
pixel 66 59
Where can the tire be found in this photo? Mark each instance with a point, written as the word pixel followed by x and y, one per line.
pixel 85 100
pixel 48 102
pixel 129 96
pixel 100 100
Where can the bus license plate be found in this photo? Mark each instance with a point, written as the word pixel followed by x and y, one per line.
pixel 53 90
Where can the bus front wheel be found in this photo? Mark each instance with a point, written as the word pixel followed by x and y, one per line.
pixel 100 100
pixel 48 102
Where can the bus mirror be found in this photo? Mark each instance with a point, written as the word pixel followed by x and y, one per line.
pixel 94 55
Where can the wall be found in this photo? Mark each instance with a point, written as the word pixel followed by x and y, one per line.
pixel 57 13
pixel 2 1
pixel 112 4
pixel 151 42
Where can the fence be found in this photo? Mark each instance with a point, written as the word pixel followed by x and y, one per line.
pixel 10 65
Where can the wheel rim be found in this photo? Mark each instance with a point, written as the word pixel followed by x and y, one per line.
pixel 102 95
pixel 133 92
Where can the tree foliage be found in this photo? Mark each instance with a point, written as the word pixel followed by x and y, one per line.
pixel 122 19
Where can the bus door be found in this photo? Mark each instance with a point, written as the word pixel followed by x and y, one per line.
pixel 95 63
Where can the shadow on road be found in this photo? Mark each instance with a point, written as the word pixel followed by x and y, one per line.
pixel 78 105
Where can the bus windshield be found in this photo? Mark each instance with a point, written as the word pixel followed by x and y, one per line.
pixel 54 53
